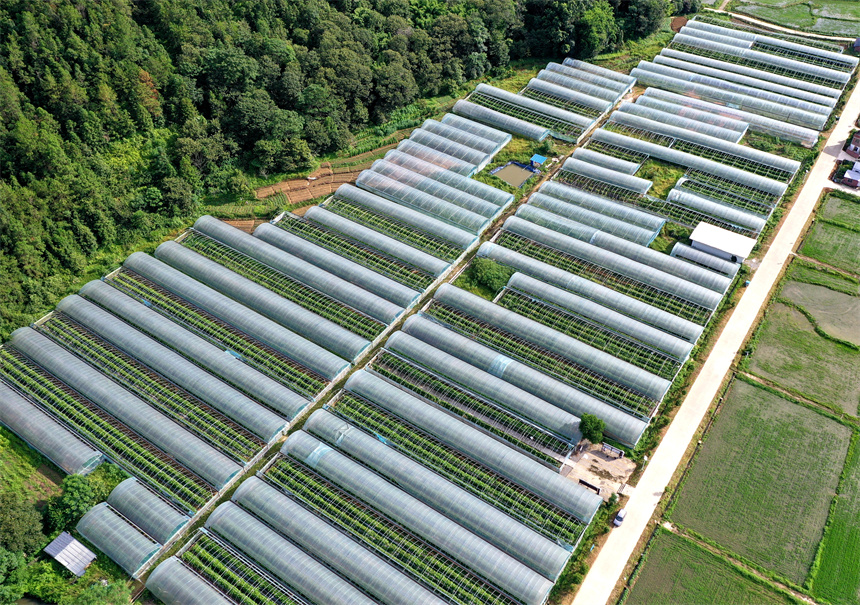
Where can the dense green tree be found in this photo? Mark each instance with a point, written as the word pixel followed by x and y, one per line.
pixel 77 498
pixel 646 16
pixel 592 428
pixel 11 580
pixel 20 524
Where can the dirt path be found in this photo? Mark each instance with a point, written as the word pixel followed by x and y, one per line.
pixel 608 567
pixel 777 28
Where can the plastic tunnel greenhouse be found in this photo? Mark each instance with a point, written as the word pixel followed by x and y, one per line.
pixel 458 181
pixel 732 215
pixel 599 293
pixel 253 324
pixel 337 265
pixel 757 123
pixel 673 119
pixel 600 71
pixel 453 148
pixel 475 141
pixel 501 138
pixel 468 511
pixel 534 107
pixel 760 74
pixel 598 80
pixel 660 261
pixel 672 345
pixel 567 98
pixel 210 357
pixel 507 462
pixel 617 263
pixel 766 107
pixel 680 109
pixel 153 515
pixel 423 202
pixel 289 563
pixel 112 534
pixel 605 161
pixel 435 188
pixel 485 384
pixel 478 555
pixel 502 121
pixel 377 241
pixel 688 160
pixel 720 44
pixel 573 227
pixel 594 95
pixel 744 80
pixel 330 546
pixel 302 271
pixel 174 584
pixel 704 140
pixel 849 61
pixel 443 160
pixel 704 259
pixel 176 368
pixel 45 435
pixel 573 196
pixel 323 332
pixel 611 177
pixel 189 450
pixel 529 330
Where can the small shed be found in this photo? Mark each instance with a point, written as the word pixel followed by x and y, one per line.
pixel 70 553
pixel 537 160
pixel 857 45
pixel 722 243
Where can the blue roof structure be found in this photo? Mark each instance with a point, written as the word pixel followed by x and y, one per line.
pixel 538 159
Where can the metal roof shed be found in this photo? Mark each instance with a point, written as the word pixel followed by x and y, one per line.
pixel 722 243
pixel 70 553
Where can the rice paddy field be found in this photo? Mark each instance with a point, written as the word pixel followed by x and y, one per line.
pixel 762 485
pixel 836 17
pixel 837 578
pixel 679 571
pixel 790 353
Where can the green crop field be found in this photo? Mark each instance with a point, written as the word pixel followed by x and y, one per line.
pixel 678 571
pixel 790 353
pixel 838 575
pixel 834 245
pixel 838 17
pixel 763 482
pixel 842 210
pixel 801 271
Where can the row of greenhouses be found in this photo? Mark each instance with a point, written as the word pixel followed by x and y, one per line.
pixel 406 220
pixel 781 88
pixel 132 526
pixel 386 498
pixel 564 101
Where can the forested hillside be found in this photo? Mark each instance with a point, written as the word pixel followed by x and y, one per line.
pixel 117 116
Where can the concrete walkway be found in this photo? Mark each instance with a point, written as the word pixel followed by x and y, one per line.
pixel 610 563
